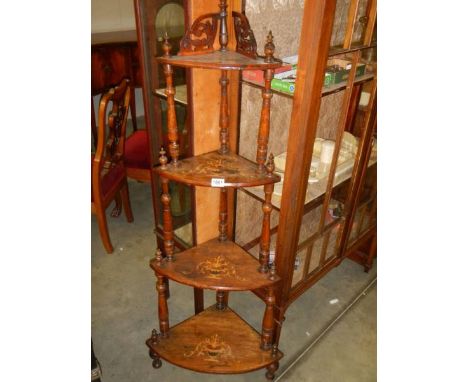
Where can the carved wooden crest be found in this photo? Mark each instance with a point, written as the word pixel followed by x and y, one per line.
pixel 201 35
pixel 246 43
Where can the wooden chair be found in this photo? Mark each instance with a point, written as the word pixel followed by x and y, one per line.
pixel 108 176
pixel 137 157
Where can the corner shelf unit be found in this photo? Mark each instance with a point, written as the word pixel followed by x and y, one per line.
pixel 216 264
pixel 217 340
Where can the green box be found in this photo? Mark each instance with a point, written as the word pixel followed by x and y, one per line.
pixel 342 75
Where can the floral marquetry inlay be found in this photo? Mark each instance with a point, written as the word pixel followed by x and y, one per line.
pixel 212 349
pixel 217 268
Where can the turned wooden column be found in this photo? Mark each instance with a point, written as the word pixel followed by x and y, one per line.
pixel 221 300
pixel 264 128
pixel 163 311
pixel 168 234
pixel 268 321
pixel 224 114
pixel 172 132
pixel 267 207
pixel 223 31
pixel 223 215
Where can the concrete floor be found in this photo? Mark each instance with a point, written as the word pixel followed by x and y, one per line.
pixel 124 312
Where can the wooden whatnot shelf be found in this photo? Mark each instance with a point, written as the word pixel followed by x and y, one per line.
pixel 217 340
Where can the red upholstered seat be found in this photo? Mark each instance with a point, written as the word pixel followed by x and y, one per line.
pixel 136 150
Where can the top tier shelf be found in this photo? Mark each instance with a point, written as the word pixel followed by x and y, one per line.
pixel 225 60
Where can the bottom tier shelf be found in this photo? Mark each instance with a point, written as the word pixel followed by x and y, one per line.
pixel 214 341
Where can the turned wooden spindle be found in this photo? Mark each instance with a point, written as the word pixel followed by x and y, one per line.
pixel 163 311
pixel 266 207
pixel 222 226
pixel 264 127
pixel 220 300
pixel 168 234
pixel 162 158
pixel 268 321
pixel 172 132
pixel 224 114
pixel 223 33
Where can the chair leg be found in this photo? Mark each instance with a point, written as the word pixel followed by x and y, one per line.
pixel 104 232
pixel 126 202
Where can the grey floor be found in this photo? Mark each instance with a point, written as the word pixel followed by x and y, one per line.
pixel 343 334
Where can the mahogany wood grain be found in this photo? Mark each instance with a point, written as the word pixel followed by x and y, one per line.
pixel 214 341
pixel 217 265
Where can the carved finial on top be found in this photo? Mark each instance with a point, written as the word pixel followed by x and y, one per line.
pixel 166 45
pixel 162 158
pixel 270 165
pixel 158 256
pixel 269 48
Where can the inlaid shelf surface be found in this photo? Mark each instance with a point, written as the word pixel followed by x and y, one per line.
pixel 218 265
pixel 201 170
pixel 226 60
pixel 214 341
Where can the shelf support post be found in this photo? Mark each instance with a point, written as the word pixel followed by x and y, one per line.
pixel 224 114
pixel 268 321
pixel 223 215
pixel 167 220
pixel 172 132
pixel 163 311
pixel 223 33
pixel 267 207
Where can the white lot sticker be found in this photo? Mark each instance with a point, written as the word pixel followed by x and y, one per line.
pixel 217 182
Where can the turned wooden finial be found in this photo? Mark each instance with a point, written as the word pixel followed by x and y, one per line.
pixel 162 158
pixel 272 276
pixel 269 48
pixel 223 33
pixel 270 166
pixel 158 256
pixel 154 336
pixel 166 45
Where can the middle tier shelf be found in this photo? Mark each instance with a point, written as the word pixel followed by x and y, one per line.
pixel 225 60
pixel 217 170
pixel 217 265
